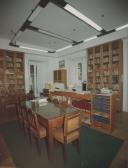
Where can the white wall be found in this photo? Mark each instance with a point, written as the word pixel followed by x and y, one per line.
pixel 46 67
pixel 71 66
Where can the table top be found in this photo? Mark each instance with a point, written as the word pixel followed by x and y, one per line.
pixel 50 110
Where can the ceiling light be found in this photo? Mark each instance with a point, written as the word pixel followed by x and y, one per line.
pixel 61 49
pixel 34 14
pixel 82 17
pixel 34 49
pixel 91 38
pixel 55 35
pixel 122 27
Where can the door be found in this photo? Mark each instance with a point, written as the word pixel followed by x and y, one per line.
pixel 33 77
pixel 37 76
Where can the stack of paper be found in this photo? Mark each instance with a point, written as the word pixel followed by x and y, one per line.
pixel 42 102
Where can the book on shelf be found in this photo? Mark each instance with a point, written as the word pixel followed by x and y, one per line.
pixel 101 119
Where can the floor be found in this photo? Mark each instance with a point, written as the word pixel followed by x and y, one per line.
pixel 120 131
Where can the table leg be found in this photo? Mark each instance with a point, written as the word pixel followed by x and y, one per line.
pixel 50 141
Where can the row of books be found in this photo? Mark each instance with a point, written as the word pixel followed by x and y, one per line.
pixel 101 103
pixel 82 104
pixel 101 119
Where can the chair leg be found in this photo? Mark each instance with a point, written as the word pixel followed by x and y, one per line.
pixel 38 145
pixel 65 152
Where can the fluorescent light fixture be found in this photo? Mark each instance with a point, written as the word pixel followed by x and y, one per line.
pixel 91 38
pixel 55 35
pixel 35 12
pixel 61 49
pixel 82 17
pixel 34 49
pixel 122 27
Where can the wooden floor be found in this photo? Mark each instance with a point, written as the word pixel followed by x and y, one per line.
pixel 120 131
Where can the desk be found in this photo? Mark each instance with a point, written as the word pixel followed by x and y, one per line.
pixel 52 117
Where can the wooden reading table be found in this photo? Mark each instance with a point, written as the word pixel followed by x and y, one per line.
pixel 51 116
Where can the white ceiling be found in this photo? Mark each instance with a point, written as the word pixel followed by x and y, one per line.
pixel 109 14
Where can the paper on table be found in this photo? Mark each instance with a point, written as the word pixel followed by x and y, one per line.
pixel 44 100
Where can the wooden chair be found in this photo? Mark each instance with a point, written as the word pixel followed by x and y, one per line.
pixel 70 132
pixel 36 130
pixel 25 117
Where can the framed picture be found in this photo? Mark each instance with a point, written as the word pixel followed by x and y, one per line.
pixel 62 64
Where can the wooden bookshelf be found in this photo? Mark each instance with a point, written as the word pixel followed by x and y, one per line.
pixel 12 82
pixel 105 69
pixel 103 111
pixel 11 73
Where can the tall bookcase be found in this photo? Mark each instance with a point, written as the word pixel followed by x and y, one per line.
pixel 11 83
pixel 105 69
pixel 11 73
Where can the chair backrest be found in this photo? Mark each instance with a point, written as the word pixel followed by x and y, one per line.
pixel 33 122
pixel 72 123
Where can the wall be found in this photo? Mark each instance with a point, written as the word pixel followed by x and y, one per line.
pixel 71 62
pixel 46 67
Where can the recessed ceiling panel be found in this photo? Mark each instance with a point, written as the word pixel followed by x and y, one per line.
pixel 57 20
pixel 13 14
pixel 109 14
pixel 44 41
